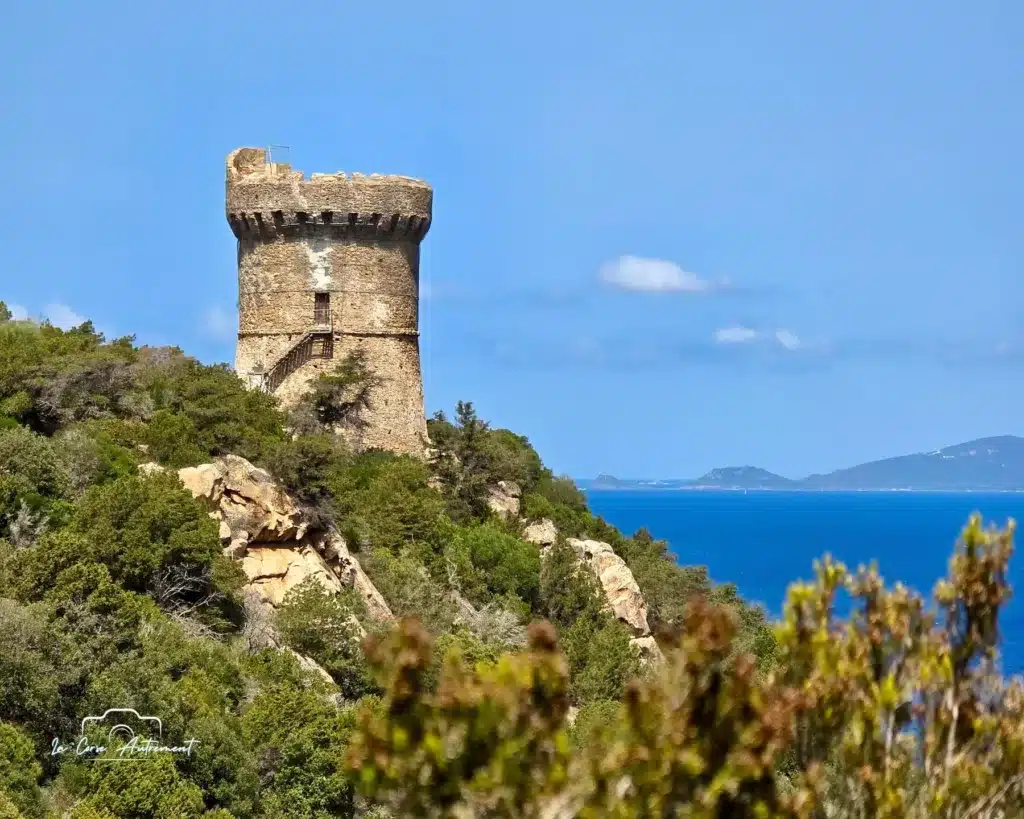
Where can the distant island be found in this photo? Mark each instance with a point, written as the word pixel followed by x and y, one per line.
pixel 984 465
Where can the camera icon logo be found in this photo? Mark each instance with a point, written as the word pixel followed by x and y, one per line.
pixel 125 725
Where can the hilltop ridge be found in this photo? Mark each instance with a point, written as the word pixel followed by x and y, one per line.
pixel 994 464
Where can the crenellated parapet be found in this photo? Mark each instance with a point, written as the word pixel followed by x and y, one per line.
pixel 263 225
pixel 266 200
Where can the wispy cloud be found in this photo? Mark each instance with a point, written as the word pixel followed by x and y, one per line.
pixel 60 315
pixel 737 347
pixel 738 334
pixel 625 274
pixel 218 323
pixel 734 335
pixel 788 339
pixel 652 276
pixel 18 312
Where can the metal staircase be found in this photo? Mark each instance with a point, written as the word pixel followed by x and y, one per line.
pixel 316 342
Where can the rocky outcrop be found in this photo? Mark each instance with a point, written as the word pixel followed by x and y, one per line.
pixel 274 571
pixel 274 538
pixel 311 665
pixel 247 499
pixel 348 570
pixel 617 581
pixel 620 588
pixel 504 499
pixel 650 651
pixel 541 532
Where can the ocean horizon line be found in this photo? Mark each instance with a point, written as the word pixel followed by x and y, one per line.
pixel 793 490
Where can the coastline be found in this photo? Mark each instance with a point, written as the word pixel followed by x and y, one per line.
pixel 649 488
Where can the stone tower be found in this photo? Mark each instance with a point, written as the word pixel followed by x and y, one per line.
pixel 328 265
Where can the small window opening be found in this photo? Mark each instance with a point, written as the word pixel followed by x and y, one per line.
pixel 322 309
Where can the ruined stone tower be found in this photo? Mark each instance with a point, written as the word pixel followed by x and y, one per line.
pixel 328 265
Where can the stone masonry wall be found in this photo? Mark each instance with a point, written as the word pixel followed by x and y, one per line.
pixel 354 239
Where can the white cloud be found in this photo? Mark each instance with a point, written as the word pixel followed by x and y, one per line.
pixel 219 323
pixel 60 315
pixel 787 339
pixel 734 335
pixel 18 313
pixel 651 276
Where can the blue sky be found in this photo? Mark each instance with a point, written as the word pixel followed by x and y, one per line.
pixel 667 236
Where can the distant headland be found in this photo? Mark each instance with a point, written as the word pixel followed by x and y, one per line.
pixel 984 465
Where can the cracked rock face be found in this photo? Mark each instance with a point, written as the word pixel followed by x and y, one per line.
pixel 620 587
pixel 541 532
pixel 261 526
pixel 504 499
pixel 247 499
pixel 650 651
pixel 273 571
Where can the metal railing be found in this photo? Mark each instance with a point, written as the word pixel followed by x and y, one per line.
pixel 321 336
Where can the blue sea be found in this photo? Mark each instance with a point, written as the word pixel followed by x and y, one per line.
pixel 762 541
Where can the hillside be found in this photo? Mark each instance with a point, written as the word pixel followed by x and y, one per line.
pixel 985 464
pixel 321 632
pixel 743 477
pixel 172 541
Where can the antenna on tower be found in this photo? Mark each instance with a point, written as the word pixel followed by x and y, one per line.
pixel 281 149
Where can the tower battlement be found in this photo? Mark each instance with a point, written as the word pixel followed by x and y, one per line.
pixel 268 199
pixel 326 266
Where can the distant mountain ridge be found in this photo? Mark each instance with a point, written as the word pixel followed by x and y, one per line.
pixel 745 477
pixel 993 464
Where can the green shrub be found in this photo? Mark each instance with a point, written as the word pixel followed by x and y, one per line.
pixel 462 462
pixel 595 723
pixel 488 742
pixel 154 790
pixel 323 627
pixel 339 400
pixel 460 646
pixel 385 501
pixel 29 686
pixel 505 564
pixel 152 537
pixel 536 507
pixel 86 459
pixel 410 590
pixel 601 659
pixel 32 458
pixel 569 591
pixel 19 771
pixel 51 378
pixel 304 466
pixel 136 526
pixel 512 458
pixel 562 491
pixel 171 437
pixel 300 741
pixel 8 810
pixel 227 417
